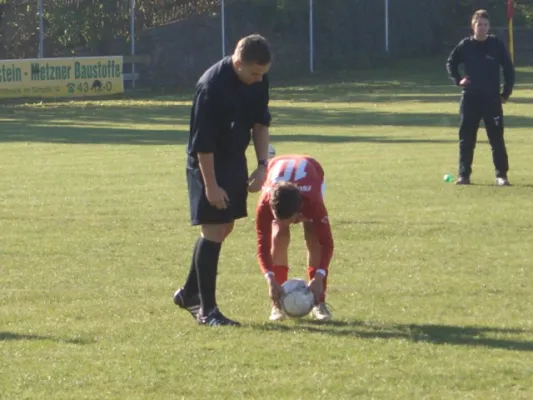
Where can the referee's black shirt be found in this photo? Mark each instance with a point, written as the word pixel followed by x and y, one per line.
pixel 482 61
pixel 223 112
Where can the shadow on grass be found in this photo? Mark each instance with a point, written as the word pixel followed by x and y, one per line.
pixel 302 116
pixel 437 334
pixel 164 122
pixel 96 125
pixel 318 138
pixel 91 135
pixel 8 336
pixel 368 92
pixel 152 125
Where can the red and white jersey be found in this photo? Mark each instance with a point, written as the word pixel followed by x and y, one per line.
pixel 306 173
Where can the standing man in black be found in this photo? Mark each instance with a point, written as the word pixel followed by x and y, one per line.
pixel 230 104
pixel 482 55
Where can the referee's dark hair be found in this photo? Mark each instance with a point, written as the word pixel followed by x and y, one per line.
pixel 254 49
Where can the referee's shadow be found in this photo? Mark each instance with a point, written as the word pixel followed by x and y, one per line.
pixel 485 336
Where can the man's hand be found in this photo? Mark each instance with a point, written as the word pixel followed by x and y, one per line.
pixel 316 286
pixel 275 291
pixel 217 197
pixel 465 81
pixel 503 99
pixel 257 179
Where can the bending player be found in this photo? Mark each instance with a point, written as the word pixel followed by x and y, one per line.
pixel 293 193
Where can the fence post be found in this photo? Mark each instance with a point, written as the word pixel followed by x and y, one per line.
pixel 40 5
pixel 132 39
pixel 387 26
pixel 223 27
pixel 311 39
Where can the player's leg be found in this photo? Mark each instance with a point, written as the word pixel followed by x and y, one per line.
pixel 470 117
pixel 494 126
pixel 314 249
pixel 281 237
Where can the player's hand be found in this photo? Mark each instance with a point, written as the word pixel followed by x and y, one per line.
pixel 257 179
pixel 465 81
pixel 503 99
pixel 217 197
pixel 316 286
pixel 275 291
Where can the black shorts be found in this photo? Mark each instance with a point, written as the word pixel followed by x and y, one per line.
pixel 236 186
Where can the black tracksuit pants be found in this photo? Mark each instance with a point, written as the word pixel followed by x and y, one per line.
pixel 474 107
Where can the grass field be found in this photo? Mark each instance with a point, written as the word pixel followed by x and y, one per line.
pixel 430 283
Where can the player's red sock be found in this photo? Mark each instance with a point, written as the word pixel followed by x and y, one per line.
pixel 311 274
pixel 281 272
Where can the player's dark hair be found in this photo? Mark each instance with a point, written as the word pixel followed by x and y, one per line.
pixel 285 200
pixel 480 14
pixel 254 49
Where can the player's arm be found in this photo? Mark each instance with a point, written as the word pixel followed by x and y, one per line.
pixel 508 72
pixel 263 229
pixel 453 62
pixel 324 236
pixel 263 224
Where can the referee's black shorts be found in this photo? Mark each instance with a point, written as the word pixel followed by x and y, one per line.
pixel 234 181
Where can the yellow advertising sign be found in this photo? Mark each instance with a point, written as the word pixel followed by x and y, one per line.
pixel 61 77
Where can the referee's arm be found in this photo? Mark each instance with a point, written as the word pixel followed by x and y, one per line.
pixel 204 134
pixel 260 130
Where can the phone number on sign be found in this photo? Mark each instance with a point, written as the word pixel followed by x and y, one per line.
pixel 85 87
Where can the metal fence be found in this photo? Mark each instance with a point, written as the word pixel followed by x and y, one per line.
pixel 166 11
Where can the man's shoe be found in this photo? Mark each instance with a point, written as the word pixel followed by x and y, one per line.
pixel 463 180
pixel 502 182
pixel 276 314
pixel 216 318
pixel 191 304
pixel 321 312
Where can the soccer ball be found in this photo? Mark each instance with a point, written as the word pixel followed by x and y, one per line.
pixel 297 300
pixel 271 152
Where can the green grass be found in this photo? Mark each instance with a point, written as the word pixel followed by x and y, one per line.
pixel 430 283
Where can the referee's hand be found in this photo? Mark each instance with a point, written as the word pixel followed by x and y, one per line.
pixel 257 179
pixel 217 197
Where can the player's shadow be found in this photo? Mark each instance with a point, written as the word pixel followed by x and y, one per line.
pixel 437 334
pixel 11 336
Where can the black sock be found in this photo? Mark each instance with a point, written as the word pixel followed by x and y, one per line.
pixel 191 284
pixel 207 253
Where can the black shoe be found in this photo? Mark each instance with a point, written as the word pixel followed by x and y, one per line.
pixel 216 318
pixel 191 304
pixel 463 180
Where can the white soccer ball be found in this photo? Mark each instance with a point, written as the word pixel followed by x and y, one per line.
pixel 271 151
pixel 297 300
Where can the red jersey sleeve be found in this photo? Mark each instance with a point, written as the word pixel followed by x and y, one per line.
pixel 263 228
pixel 323 232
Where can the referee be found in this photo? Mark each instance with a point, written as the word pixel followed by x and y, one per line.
pixel 230 105
pixel 482 55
